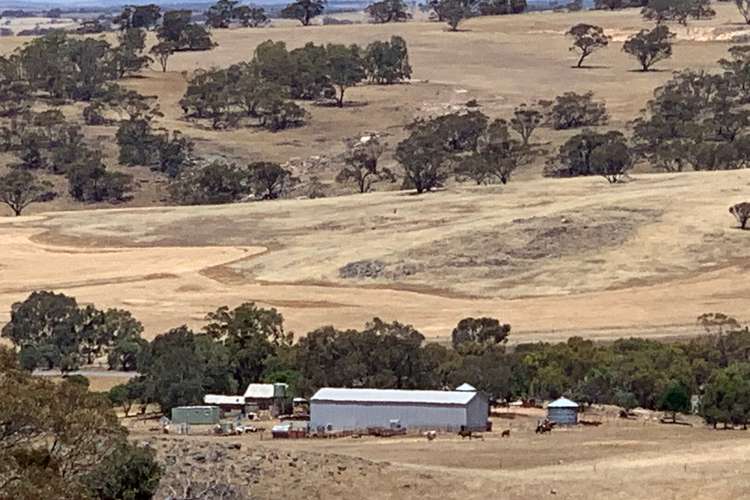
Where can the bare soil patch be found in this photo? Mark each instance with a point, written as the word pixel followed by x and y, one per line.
pixel 511 251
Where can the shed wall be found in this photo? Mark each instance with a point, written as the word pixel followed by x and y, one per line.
pixel 477 413
pixel 360 416
pixel 202 415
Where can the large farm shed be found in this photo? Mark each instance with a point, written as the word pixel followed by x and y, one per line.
pixel 335 409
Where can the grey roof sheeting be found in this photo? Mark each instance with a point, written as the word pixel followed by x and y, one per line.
pixel 265 391
pixel 339 395
pixel 260 391
pixel 562 403
pixel 218 399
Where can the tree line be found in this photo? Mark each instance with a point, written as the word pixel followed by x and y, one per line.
pixel 673 10
pixel 248 343
pixel 454 12
pixel 230 13
pixel 264 88
pixel 697 120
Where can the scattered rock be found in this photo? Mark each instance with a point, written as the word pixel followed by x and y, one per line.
pixel 362 269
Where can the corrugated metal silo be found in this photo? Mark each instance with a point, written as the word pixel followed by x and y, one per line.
pixel 563 412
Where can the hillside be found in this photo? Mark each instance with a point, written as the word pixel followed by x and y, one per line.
pixel 498 61
pixel 553 257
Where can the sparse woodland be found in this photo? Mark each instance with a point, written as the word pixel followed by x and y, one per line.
pixel 697 120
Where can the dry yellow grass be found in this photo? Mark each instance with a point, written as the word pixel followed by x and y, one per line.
pixel 553 257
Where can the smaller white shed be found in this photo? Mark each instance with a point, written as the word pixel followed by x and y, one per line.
pixel 563 412
pixel 226 403
pixel 266 397
pixel 220 400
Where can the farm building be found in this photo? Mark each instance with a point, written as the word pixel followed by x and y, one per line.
pixel 358 409
pixel 195 415
pixel 289 429
pixel 563 412
pixel 266 397
pixel 226 403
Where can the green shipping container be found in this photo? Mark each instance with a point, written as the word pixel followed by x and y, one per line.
pixel 195 415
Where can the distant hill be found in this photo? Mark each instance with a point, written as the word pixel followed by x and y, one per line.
pixel 191 4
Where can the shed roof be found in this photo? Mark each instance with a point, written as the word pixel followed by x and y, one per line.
pixel 340 395
pixel 263 391
pixel 466 387
pixel 562 403
pixel 259 391
pixel 216 399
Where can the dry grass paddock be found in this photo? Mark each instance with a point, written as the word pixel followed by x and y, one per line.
pixel 554 258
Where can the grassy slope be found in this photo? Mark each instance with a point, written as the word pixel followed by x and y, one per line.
pixel 553 257
pixel 500 61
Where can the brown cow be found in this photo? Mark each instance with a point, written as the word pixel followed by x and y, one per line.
pixel 465 433
pixel 741 212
